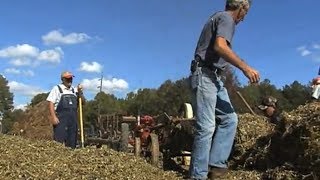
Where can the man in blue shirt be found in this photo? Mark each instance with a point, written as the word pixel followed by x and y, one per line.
pixel 216 120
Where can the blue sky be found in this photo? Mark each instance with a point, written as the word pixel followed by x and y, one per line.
pixel 141 43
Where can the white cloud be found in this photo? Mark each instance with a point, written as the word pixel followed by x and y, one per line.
pixel 12 71
pixel 24 50
pixel 108 85
pixel 26 55
pixel 90 67
pixel 24 89
pixel 56 37
pixel 301 48
pixel 20 106
pixel 312 51
pixel 316 57
pixel 316 46
pixel 53 55
pixel 17 72
pixel 28 73
pixel 21 62
pixel 304 51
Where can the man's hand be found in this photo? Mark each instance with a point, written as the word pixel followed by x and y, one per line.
pixel 252 74
pixel 55 120
pixel 80 89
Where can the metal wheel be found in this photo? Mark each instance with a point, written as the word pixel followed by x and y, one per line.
pixel 137 146
pixel 154 149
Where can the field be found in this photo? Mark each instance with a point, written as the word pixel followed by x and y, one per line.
pixel 289 150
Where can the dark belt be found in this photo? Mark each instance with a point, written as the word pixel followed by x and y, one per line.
pixel 203 64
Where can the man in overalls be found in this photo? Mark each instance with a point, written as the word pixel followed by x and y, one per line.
pixel 63 104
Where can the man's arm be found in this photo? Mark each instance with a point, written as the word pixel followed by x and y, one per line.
pixel 222 48
pixel 54 93
pixel 54 120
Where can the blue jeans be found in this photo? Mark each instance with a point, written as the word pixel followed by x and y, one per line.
pixel 216 123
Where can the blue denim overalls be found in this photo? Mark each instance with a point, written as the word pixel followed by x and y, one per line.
pixel 66 131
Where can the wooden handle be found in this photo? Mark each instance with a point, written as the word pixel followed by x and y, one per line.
pixel 81 122
pixel 245 102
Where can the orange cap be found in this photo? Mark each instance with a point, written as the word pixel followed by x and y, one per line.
pixel 66 74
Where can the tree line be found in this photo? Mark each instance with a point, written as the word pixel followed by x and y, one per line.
pixel 169 98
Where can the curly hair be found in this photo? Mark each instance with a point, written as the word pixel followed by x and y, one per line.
pixel 236 4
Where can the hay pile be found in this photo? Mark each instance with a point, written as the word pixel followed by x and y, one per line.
pixel 34 123
pixel 251 132
pixel 298 140
pixel 35 159
pixel 288 150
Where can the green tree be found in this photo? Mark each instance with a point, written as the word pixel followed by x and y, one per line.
pixel 296 94
pixel 129 103
pixel 6 105
pixel 12 117
pixel 109 103
pixel 38 98
pixel 268 89
pixel 144 102
pixel 90 113
pixel 254 93
pixel 232 84
pixel 17 114
pixel 102 103
pixel 172 95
